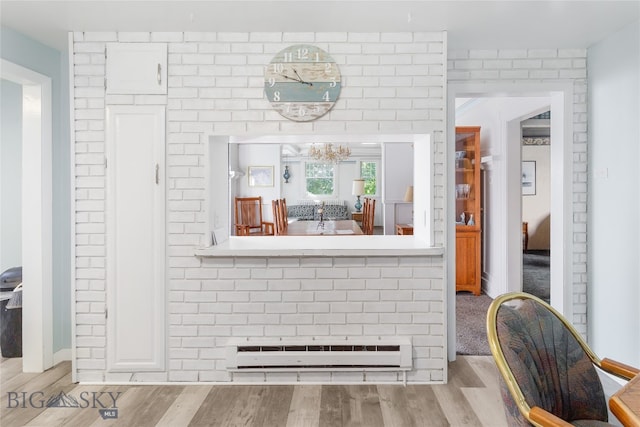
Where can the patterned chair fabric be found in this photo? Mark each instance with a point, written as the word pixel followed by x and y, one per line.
pixel 309 212
pixel 549 365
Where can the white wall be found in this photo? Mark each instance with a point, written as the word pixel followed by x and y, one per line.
pixel 393 84
pixel 10 175
pixel 398 175
pixel 259 155
pixel 536 208
pixel 614 222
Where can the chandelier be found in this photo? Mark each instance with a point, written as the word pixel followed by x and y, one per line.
pixel 329 154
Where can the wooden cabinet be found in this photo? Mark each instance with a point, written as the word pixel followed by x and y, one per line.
pixel 404 229
pixel 356 216
pixel 467 194
pixel 136 68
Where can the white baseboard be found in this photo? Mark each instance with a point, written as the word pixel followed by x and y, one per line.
pixel 61 355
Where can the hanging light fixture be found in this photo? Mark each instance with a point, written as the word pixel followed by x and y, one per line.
pixel 329 154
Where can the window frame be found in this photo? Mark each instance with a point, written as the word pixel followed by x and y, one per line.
pixel 377 177
pixel 334 178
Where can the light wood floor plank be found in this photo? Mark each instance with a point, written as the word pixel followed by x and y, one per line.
pixel 31 398
pixel 394 406
pixel 242 411
pixel 36 382
pixel 350 406
pixel 185 406
pixel 305 406
pixel 70 416
pixel 10 367
pixel 274 408
pixel 91 416
pixel 462 374
pixel 488 398
pixel 143 405
pixel 424 405
pixel 455 406
pixel 471 398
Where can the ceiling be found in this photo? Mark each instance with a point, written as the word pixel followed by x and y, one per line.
pixel 470 24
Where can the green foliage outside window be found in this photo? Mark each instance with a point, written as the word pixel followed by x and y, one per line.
pixel 319 177
pixel 368 173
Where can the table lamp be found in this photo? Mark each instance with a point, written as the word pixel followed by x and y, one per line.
pixel 357 190
pixel 408 197
pixel 408 194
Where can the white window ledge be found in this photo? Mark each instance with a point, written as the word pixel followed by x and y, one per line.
pixel 327 246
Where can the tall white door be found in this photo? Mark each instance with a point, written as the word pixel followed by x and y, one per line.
pixel 135 238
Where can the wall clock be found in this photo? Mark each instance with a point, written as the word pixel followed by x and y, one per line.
pixel 302 82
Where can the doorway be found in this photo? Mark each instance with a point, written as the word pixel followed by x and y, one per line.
pixel 37 227
pixel 536 205
pixel 502 269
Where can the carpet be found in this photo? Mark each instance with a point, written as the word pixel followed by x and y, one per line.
pixel 471 319
pixel 471 310
pixel 536 277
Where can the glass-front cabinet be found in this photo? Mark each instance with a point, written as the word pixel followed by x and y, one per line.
pixel 467 194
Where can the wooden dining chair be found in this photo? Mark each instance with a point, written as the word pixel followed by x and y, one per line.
pixel 248 217
pixel 368 213
pixel 280 216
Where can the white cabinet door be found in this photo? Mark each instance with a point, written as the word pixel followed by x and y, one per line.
pixel 136 68
pixel 135 238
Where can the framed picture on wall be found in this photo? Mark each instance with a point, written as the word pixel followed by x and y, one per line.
pixel 528 178
pixel 260 176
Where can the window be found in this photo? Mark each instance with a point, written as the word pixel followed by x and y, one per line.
pixel 369 172
pixel 319 179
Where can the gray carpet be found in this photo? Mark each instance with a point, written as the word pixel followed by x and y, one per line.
pixel 536 278
pixel 471 318
pixel 471 310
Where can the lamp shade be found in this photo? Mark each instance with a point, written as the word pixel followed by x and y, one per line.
pixel 408 194
pixel 358 187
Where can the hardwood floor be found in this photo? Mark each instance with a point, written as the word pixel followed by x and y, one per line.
pixel 471 398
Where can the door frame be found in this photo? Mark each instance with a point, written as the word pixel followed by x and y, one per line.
pixel 37 213
pixel 561 97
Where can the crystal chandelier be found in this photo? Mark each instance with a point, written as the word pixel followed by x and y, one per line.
pixel 329 154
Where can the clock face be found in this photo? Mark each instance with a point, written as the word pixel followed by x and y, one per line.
pixel 302 82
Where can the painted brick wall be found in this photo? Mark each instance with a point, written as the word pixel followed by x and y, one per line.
pixel 524 66
pixel 392 83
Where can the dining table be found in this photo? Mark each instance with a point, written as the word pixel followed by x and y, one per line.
pixel 625 403
pixel 346 227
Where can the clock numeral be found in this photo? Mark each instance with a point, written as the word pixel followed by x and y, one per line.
pixel 327 67
pixel 333 82
pixel 272 81
pixel 326 96
pixel 303 53
pixel 317 58
pixel 303 111
pixel 288 56
pixel 287 107
pixel 278 67
pixel 276 96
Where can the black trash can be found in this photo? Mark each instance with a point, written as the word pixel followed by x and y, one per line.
pixel 10 318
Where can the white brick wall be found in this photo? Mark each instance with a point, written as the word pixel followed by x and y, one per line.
pixel 392 83
pixel 525 66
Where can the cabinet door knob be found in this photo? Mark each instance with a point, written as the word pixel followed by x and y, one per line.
pixel 159 75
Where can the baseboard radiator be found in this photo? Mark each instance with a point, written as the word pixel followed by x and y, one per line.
pixel 392 354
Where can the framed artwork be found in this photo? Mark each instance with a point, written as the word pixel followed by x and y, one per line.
pixel 528 178
pixel 260 176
